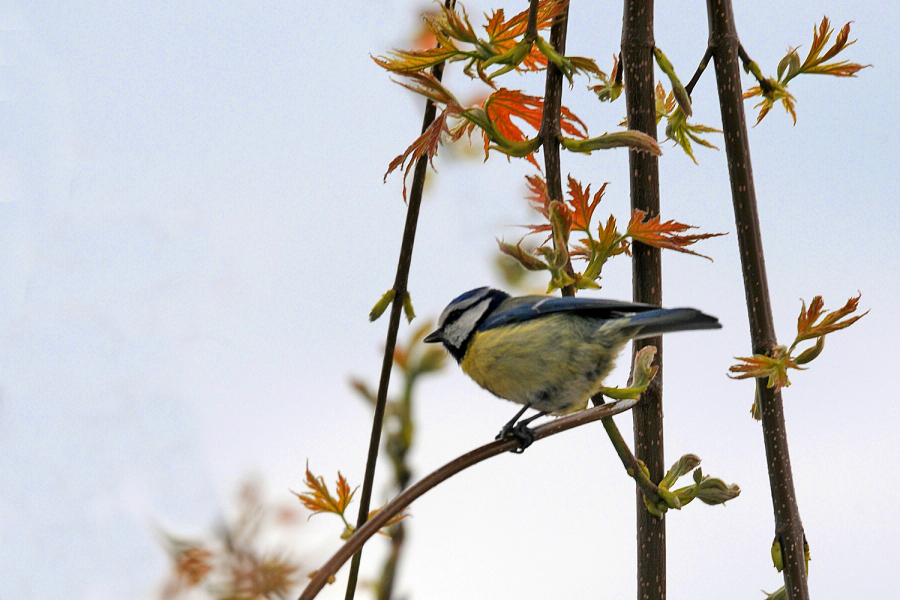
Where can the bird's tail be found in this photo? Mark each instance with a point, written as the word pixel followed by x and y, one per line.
pixel 667 320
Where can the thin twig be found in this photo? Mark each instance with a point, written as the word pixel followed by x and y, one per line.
pixel 788 527
pixel 400 291
pixel 632 465
pixel 689 88
pixel 399 503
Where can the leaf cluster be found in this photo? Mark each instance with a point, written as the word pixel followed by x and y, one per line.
pixel 678 129
pixel 318 499
pixel 674 107
pixel 230 565
pixel 511 44
pixel 773 90
pixel 710 490
pixel 813 324
pixel 596 246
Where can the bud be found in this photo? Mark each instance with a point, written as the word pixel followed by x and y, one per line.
pixel 716 491
pixel 381 305
pixel 526 259
pixel 408 308
pixel 681 95
pixel 810 354
pixel 630 138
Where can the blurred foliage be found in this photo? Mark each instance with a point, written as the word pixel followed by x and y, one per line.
pixel 238 559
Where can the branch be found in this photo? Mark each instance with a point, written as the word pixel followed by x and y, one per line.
pixel 700 69
pixel 638 64
pixel 549 133
pixel 400 293
pixel 403 500
pixel 788 528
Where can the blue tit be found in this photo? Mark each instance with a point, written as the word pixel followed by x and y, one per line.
pixel 548 353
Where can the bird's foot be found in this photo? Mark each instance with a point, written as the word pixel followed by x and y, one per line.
pixel 520 432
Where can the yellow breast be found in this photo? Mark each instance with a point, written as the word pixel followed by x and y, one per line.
pixel 554 362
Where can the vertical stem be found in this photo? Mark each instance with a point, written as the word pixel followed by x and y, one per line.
pixel 638 65
pixel 550 127
pixel 723 40
pixel 400 281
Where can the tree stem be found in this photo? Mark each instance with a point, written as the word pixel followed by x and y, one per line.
pixel 723 40
pixel 638 65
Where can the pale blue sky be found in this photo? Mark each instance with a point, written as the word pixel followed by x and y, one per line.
pixel 193 228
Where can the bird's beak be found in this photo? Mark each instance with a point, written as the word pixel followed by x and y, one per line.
pixel 434 336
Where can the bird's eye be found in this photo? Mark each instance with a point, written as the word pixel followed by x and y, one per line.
pixel 453 315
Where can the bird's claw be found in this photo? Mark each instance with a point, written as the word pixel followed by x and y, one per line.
pixel 520 432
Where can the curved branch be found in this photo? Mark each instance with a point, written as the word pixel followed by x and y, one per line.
pixel 404 499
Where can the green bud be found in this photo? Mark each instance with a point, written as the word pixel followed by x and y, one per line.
pixel 381 305
pixel 681 95
pixel 779 594
pixel 776 555
pixel 630 138
pixel 810 354
pixel 716 491
pixel 408 308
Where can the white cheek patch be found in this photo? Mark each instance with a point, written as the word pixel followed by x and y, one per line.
pixel 457 332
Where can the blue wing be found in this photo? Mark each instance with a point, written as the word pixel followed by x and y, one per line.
pixel 524 308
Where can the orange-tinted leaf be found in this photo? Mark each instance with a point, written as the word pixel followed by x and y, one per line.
pixel 451 23
pixel 503 35
pixel 774 92
pixel 319 499
pixel 775 369
pixel 409 61
pixel 816 63
pixel 654 232
pixel 582 205
pixel 807 326
pixel 611 87
pixel 504 105
pixel 426 144
pixel 193 564
pixel 609 240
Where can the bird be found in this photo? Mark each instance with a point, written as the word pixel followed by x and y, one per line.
pixel 548 353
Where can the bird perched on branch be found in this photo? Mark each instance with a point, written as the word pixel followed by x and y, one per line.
pixel 548 353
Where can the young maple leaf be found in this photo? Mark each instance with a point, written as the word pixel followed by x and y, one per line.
pixel 581 206
pixel 774 367
pixel 504 105
pixel 654 232
pixel 319 499
pixel 430 140
pixel 612 87
pixel 677 127
pixel 808 328
pixel 774 90
pixel 538 200
pixel 503 35
pixel 815 63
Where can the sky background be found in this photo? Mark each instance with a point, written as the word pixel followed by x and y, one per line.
pixel 193 228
